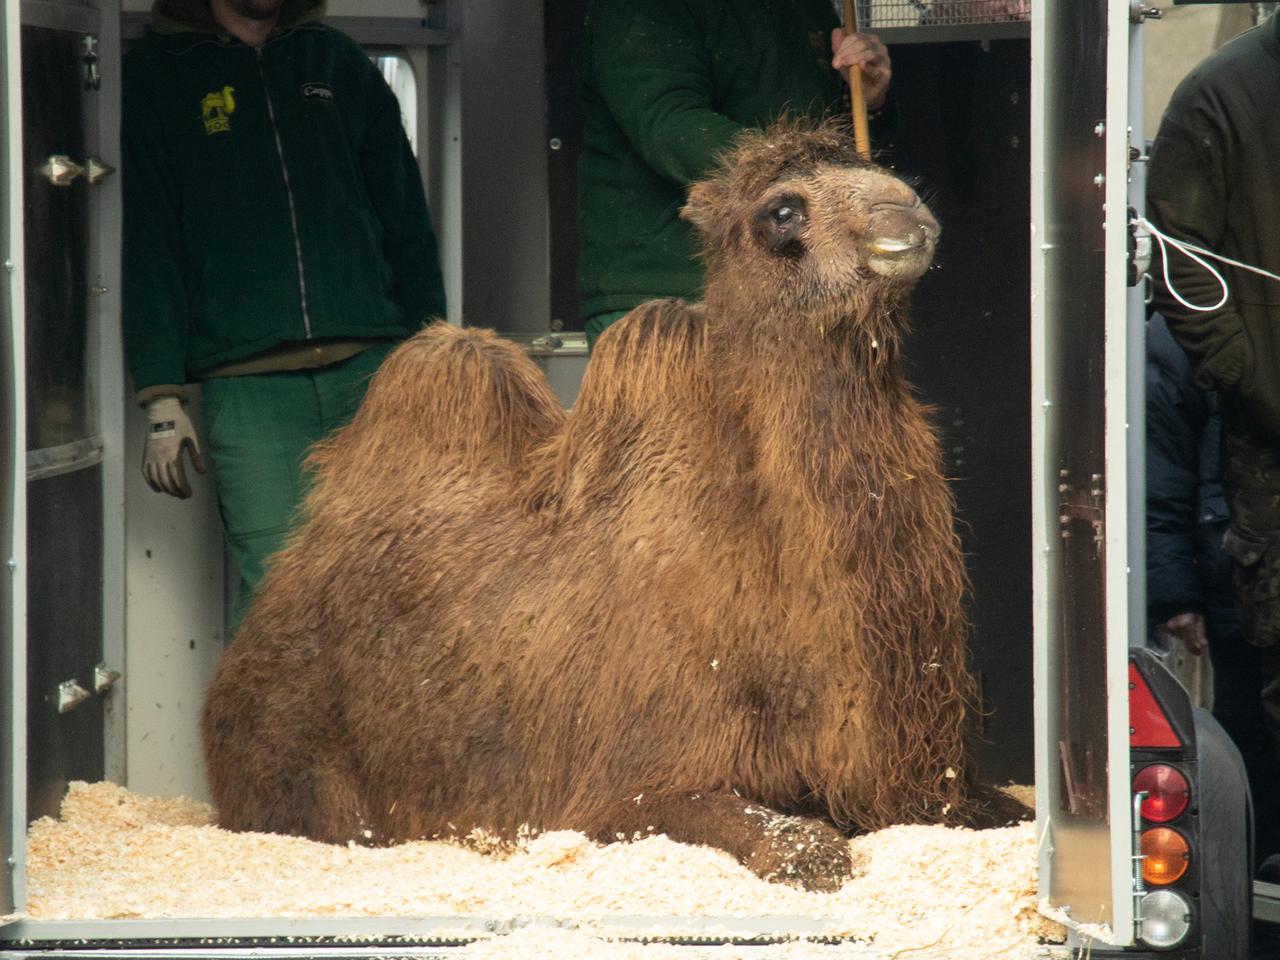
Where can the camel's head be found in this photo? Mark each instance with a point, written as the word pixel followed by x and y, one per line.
pixel 793 214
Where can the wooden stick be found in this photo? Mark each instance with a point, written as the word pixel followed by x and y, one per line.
pixel 861 131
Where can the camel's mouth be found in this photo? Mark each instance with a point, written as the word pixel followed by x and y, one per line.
pixel 901 241
pixel 901 257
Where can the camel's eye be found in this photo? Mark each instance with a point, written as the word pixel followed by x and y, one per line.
pixel 777 226
pixel 788 213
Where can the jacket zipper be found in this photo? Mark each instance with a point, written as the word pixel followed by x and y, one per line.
pixel 293 212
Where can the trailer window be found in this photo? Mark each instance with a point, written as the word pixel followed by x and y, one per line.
pixel 398 73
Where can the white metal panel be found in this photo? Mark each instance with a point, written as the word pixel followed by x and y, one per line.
pixel 175 621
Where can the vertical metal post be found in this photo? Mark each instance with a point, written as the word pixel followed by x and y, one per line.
pixel 1125 452
pixel 109 377
pixel 13 484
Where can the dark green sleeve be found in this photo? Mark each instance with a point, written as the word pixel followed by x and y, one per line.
pixel 1186 199
pixel 155 297
pixel 394 186
pixel 654 72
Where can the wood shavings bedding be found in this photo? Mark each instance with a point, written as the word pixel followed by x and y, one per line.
pixel 926 892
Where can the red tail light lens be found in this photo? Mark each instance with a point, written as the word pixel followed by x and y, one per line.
pixel 1148 726
pixel 1168 792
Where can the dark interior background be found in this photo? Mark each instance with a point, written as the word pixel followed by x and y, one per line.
pixel 962 140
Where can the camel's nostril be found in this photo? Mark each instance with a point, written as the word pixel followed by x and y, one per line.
pixel 896 205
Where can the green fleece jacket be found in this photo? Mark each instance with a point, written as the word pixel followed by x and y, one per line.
pixel 1214 180
pixel 270 196
pixel 666 85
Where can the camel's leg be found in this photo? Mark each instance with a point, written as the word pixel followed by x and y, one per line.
pixel 801 851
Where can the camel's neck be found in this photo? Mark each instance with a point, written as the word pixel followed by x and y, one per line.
pixel 820 400
pixel 837 437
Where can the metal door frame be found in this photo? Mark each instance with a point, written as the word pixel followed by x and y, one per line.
pixel 1123 549
pixel 13 483
pixel 104 365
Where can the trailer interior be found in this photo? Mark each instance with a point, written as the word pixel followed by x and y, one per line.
pixel 115 601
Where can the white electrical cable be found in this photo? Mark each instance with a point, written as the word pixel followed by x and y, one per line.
pixel 1186 249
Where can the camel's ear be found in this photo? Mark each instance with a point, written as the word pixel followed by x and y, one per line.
pixel 699 209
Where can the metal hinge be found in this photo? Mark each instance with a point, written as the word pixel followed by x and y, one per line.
pixel 1088 506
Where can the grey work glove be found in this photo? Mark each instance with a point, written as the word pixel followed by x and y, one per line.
pixel 169 432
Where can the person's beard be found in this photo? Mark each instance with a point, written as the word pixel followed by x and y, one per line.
pixel 256 9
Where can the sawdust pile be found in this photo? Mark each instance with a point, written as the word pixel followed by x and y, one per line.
pixel 932 891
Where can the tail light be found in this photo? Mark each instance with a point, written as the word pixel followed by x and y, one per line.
pixel 1166 919
pixel 1162 753
pixel 1167 790
pixel 1165 855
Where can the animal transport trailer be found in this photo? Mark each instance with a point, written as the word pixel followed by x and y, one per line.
pixel 1120 858
pixel 1111 723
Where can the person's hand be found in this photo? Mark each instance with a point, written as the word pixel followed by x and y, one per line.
pixel 1189 629
pixel 865 51
pixel 169 432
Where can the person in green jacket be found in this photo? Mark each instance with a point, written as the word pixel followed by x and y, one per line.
pixel 666 85
pixel 277 244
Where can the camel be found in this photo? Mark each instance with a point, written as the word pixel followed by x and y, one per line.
pixel 721 598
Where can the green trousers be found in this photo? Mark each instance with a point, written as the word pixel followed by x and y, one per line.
pixel 258 429
pixel 596 325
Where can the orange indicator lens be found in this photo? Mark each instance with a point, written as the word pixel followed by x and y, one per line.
pixel 1165 855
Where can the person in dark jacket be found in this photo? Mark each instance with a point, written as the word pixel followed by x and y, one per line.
pixel 276 245
pixel 1213 181
pixel 1190 600
pixel 666 85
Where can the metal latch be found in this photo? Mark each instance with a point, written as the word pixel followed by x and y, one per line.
pixel 1139 890
pixel 98 170
pixel 1139 11
pixel 104 678
pixel 89 44
pixel 60 170
pixel 71 695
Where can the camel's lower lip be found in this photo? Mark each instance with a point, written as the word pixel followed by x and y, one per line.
pixel 888 246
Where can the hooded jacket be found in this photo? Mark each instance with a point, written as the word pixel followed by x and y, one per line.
pixel 271 197
pixel 1212 181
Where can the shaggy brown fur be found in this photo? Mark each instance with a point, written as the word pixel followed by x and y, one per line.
pixel 723 588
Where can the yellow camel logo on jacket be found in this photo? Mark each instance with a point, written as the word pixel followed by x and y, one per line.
pixel 217 109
